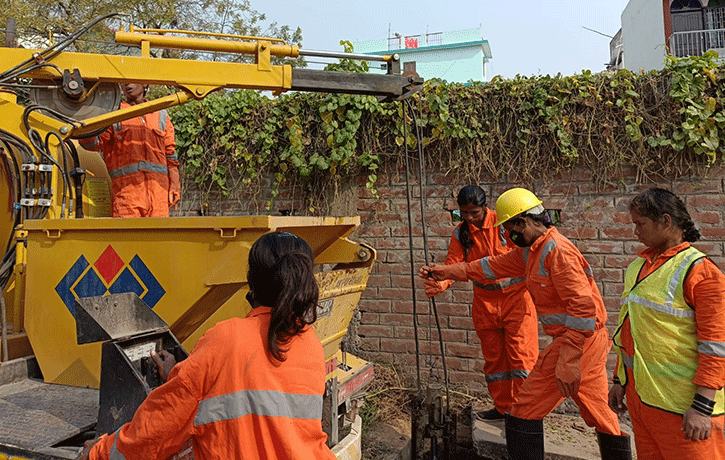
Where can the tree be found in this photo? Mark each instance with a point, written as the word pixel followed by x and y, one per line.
pixel 37 20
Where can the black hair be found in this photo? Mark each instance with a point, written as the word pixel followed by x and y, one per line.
pixel 544 218
pixel 281 276
pixel 470 194
pixel 656 202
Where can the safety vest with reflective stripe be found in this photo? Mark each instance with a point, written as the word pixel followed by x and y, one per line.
pixel 582 309
pixel 495 239
pixel 664 334
pixel 233 400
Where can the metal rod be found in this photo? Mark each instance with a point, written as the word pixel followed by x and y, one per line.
pixel 4 324
pixel 341 55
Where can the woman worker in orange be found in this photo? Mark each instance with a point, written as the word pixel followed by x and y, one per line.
pixel 670 340
pixel 252 388
pixel 572 312
pixel 503 312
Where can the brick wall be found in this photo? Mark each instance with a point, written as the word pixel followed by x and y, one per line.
pixel 596 219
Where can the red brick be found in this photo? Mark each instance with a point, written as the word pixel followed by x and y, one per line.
pixel 369 318
pixel 715 233
pixel 379 280
pixel 372 231
pixel 706 217
pixel 460 322
pixel 711 249
pixel 375 305
pixel 579 233
pixel 450 335
pixel 600 247
pixel 375 331
pixel 473 338
pixel 698 201
pixel 619 233
pixel 369 344
pixel 702 187
pixel 396 319
pixel 612 303
pixel 372 205
pixel 457 364
pixel 618 262
pixel 461 350
pixel 397 346
pixel 608 274
pixel 612 289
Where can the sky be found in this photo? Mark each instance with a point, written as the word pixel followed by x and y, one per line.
pixel 527 37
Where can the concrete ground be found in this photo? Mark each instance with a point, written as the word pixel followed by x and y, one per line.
pixel 566 437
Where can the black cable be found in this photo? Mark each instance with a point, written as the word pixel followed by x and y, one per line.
pixel 410 246
pixel 52 51
pixel 78 176
pixel 63 170
pixel 421 172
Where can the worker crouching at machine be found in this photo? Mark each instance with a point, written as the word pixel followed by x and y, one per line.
pixel 252 387
pixel 572 312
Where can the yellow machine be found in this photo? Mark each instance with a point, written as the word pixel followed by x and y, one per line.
pixel 191 271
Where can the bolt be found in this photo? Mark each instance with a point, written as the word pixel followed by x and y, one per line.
pixel 73 84
pixel 64 130
pixel 199 91
pixel 362 254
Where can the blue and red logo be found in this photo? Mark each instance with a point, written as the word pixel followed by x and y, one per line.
pixel 109 275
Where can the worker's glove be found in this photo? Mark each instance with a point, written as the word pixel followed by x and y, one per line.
pixel 456 272
pixel 433 287
pixel 568 373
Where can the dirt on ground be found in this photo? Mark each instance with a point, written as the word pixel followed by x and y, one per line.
pixel 387 421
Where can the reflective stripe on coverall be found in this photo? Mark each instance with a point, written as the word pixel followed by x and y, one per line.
pixel 658 433
pixel 233 401
pixel 503 315
pixel 139 155
pixel 571 310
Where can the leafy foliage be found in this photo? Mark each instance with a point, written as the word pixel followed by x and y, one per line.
pixel 659 124
pixel 40 19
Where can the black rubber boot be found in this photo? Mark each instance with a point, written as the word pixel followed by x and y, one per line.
pixel 524 438
pixel 613 447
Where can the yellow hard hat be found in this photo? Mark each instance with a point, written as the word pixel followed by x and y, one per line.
pixel 513 202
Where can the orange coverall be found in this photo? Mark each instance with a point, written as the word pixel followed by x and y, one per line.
pixel 503 315
pixel 233 401
pixel 571 310
pixel 139 154
pixel 658 433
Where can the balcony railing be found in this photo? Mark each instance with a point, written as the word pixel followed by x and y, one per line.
pixel 696 42
pixel 415 41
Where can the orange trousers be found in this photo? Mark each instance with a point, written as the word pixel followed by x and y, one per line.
pixel 509 337
pixel 539 394
pixel 140 195
pixel 658 434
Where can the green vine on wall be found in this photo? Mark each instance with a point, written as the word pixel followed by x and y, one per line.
pixel 660 123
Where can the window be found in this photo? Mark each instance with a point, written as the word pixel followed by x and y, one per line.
pixel 409 66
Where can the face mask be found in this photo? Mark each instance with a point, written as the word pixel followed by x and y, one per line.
pixel 518 239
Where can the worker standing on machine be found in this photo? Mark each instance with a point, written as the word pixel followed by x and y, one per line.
pixel 141 160
pixel 503 313
pixel 670 340
pixel 252 388
pixel 572 312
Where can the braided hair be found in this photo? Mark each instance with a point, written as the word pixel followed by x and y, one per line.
pixel 656 202
pixel 470 194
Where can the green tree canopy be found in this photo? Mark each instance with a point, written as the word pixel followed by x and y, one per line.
pixel 38 20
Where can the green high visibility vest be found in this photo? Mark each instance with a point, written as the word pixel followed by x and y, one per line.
pixel 664 335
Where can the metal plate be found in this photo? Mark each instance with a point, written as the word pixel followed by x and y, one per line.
pixel 36 415
pixel 103 99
